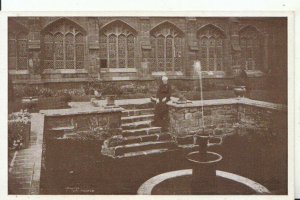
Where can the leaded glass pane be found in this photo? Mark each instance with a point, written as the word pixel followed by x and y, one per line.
pixel 22 51
pixel 153 46
pixel 160 64
pixel 178 64
pixel 79 64
pixel 130 62
pixel 160 47
pixel 12 51
pixel 48 64
pixel 122 50
pixel 48 47
pixel 112 46
pixel 79 38
pixel 122 63
pixel 59 52
pixel 69 51
pixel 204 64
pixel 103 46
pixel 112 63
pixel 169 64
pixel 12 48
pixel 130 47
pixel 169 47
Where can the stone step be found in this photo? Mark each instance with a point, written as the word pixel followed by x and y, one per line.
pixel 143 153
pixel 136 125
pixel 137 118
pixel 145 138
pixel 134 112
pixel 141 131
pixel 143 146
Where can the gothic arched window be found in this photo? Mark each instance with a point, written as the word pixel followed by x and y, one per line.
pixel 250 41
pixel 211 41
pixel 63 45
pixel 167 46
pixel 17 47
pixel 117 40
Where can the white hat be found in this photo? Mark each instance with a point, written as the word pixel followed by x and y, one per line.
pixel 164 78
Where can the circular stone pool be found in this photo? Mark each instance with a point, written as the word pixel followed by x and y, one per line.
pixel 178 183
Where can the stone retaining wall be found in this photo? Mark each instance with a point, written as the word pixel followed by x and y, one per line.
pixel 83 120
pixel 225 114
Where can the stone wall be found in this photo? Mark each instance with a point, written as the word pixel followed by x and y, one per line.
pixel 273 45
pixel 83 120
pixel 226 114
pixel 263 118
pixel 184 120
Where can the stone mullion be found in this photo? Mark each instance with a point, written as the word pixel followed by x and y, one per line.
pixel 107 50
pixel 215 55
pixel 126 53
pixel 64 50
pixel 54 56
pixel 165 54
pixel 17 51
pixel 173 54
pixel 117 51
pixel 156 58
pixel 64 47
pixel 207 56
pixel 74 51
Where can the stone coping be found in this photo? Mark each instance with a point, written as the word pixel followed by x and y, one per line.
pixel 119 70
pixel 147 187
pixel 230 101
pixel 64 71
pixel 79 111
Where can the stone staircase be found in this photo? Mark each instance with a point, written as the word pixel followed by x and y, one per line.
pixel 139 137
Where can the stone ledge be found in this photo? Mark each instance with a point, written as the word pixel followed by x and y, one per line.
pixel 79 111
pixel 231 101
pixel 118 70
pixel 65 71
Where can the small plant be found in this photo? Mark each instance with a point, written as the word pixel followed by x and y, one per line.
pixel 114 141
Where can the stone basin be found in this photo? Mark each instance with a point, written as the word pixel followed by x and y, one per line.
pixel 204 167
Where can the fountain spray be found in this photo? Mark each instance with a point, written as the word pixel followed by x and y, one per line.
pixel 197 68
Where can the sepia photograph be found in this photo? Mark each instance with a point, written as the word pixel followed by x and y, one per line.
pixel 147 105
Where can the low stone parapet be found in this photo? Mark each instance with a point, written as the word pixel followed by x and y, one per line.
pixel 226 115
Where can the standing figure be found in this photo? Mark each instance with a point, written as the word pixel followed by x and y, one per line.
pixel 161 112
pixel 242 79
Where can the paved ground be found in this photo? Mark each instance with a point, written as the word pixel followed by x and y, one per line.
pixel 24 173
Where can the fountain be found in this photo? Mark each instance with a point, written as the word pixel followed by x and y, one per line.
pixel 203 178
pixel 203 162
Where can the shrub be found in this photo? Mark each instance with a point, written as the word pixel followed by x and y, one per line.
pixel 66 97
pixel 18 129
pixel 46 92
pixel 111 89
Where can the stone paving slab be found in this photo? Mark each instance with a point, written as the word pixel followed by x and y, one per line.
pixel 27 163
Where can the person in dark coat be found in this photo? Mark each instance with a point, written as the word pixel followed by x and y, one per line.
pixel 243 80
pixel 161 112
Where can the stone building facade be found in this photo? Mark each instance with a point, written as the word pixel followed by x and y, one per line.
pixel 45 50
